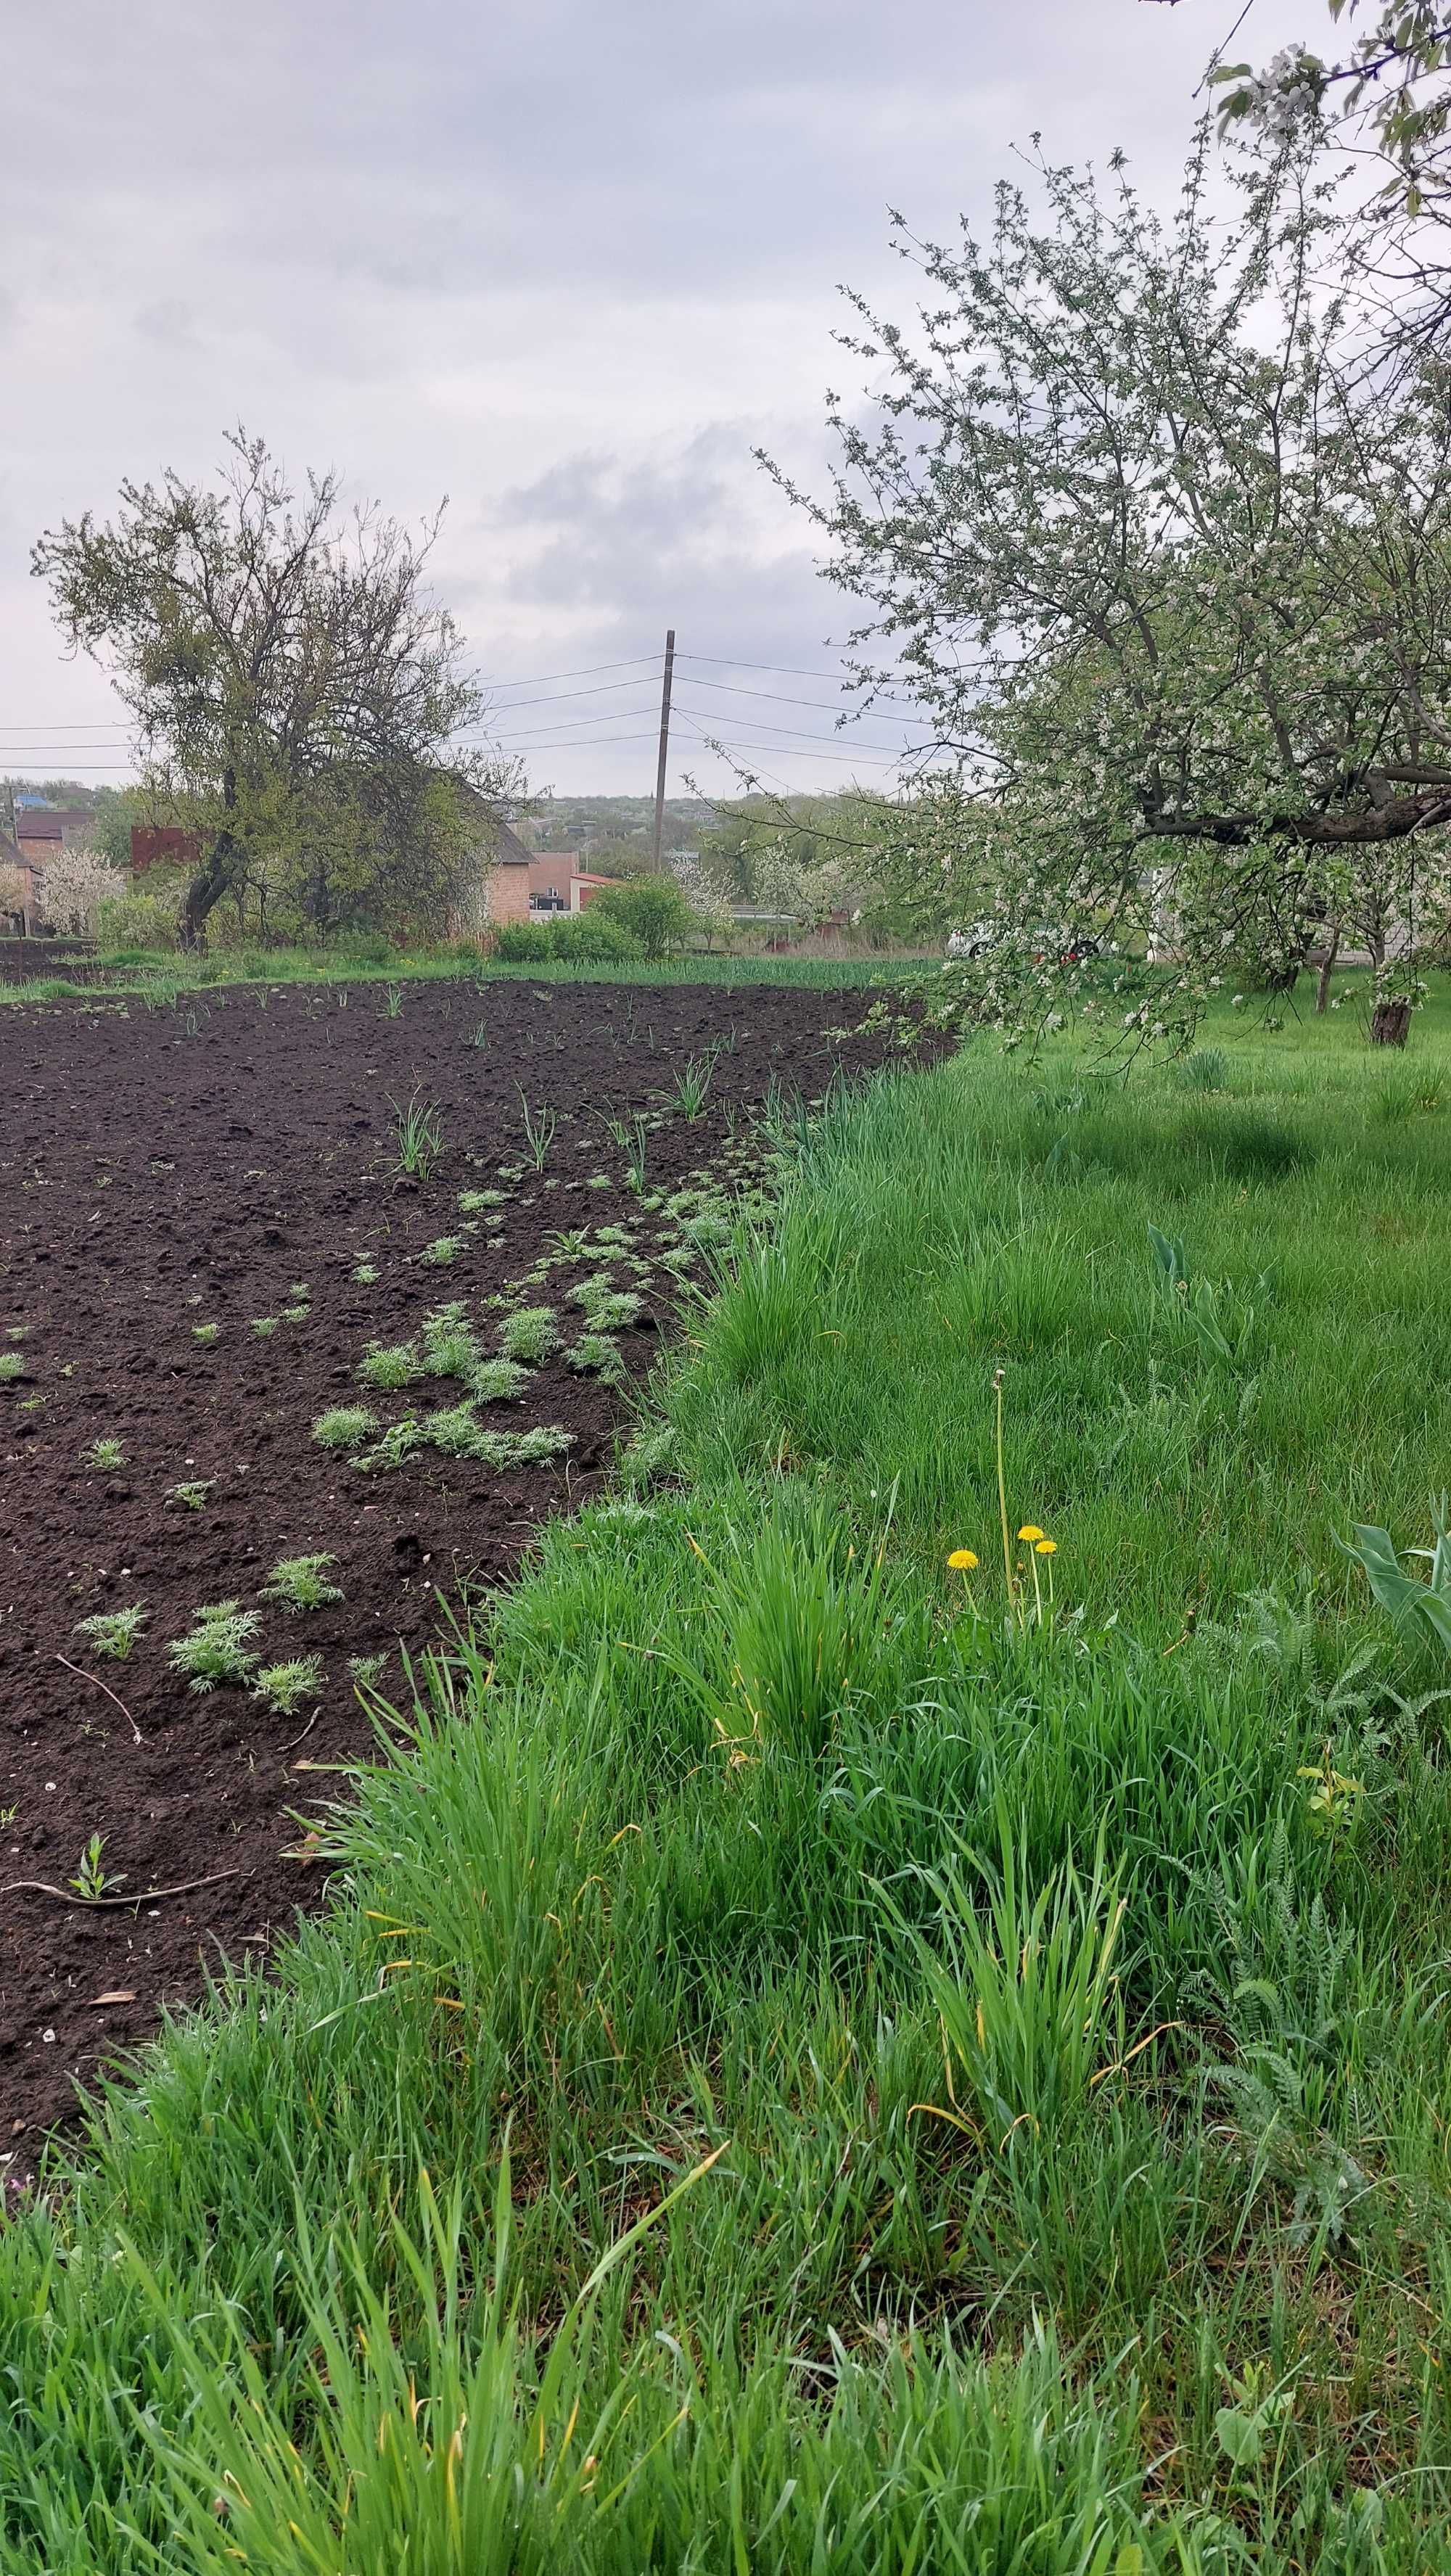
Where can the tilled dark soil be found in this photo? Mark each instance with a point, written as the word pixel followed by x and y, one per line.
pixel 172 1170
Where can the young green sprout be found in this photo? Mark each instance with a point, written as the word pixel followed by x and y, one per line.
pixel 112 1632
pixel 529 1335
pixel 418 1135
pixel 91 1880
pixel 106 1454
pixel 390 1368
pixel 284 1686
pixel 344 1426
pixel 300 1584
pixel 217 1647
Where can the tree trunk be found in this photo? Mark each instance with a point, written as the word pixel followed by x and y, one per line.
pixel 207 889
pixel 1327 969
pixel 1390 1024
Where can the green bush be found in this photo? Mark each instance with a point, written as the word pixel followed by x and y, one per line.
pixel 143 921
pixel 522 943
pixel 588 938
pixel 595 938
pixel 652 908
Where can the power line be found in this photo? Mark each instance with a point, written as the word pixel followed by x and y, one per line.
pixel 587 671
pixel 775 697
pixel 728 751
pixel 574 724
pixel 795 733
pixel 792 670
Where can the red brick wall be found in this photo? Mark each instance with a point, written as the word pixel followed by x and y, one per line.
pixel 509 894
pixel 162 845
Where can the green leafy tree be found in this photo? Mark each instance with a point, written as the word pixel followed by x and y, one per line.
pixel 1174 588
pixel 298 695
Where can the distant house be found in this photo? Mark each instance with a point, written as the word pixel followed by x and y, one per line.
pixel 552 874
pixel 41 830
pixel 520 884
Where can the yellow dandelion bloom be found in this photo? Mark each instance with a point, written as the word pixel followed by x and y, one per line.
pixel 963 1559
pixel 1031 1533
pixel 1045 1547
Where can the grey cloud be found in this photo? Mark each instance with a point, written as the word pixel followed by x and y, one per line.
pixel 566 258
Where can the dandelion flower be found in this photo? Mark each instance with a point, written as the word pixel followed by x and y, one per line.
pixel 1045 1547
pixel 963 1560
pixel 1031 1532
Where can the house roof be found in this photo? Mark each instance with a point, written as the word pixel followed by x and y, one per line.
pixel 49 822
pixel 509 850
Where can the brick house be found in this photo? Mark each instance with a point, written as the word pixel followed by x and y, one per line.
pixel 519 884
pixel 41 830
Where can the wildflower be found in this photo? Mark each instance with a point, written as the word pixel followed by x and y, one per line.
pixel 1031 1532
pixel 1045 1547
pixel 963 1560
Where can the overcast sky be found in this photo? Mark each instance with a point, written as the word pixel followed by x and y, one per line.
pixel 567 261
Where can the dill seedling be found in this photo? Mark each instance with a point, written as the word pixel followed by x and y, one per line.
pixel 529 1335
pixel 299 1582
pixel 285 1686
pixel 216 1648
pixel 112 1632
pixel 344 1426
pixel 389 1368
pixel 495 1381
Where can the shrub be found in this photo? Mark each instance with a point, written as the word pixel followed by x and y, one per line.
pixel 653 909
pixel 139 922
pixel 522 943
pixel 592 938
pixel 596 939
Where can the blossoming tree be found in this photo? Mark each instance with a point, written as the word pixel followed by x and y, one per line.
pixel 1171 584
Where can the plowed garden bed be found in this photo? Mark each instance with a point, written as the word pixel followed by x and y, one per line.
pixel 170 1182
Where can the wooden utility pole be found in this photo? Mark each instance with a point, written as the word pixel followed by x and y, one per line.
pixel 664 749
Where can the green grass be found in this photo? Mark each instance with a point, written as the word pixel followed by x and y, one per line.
pixel 804 2073
pixel 162 979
